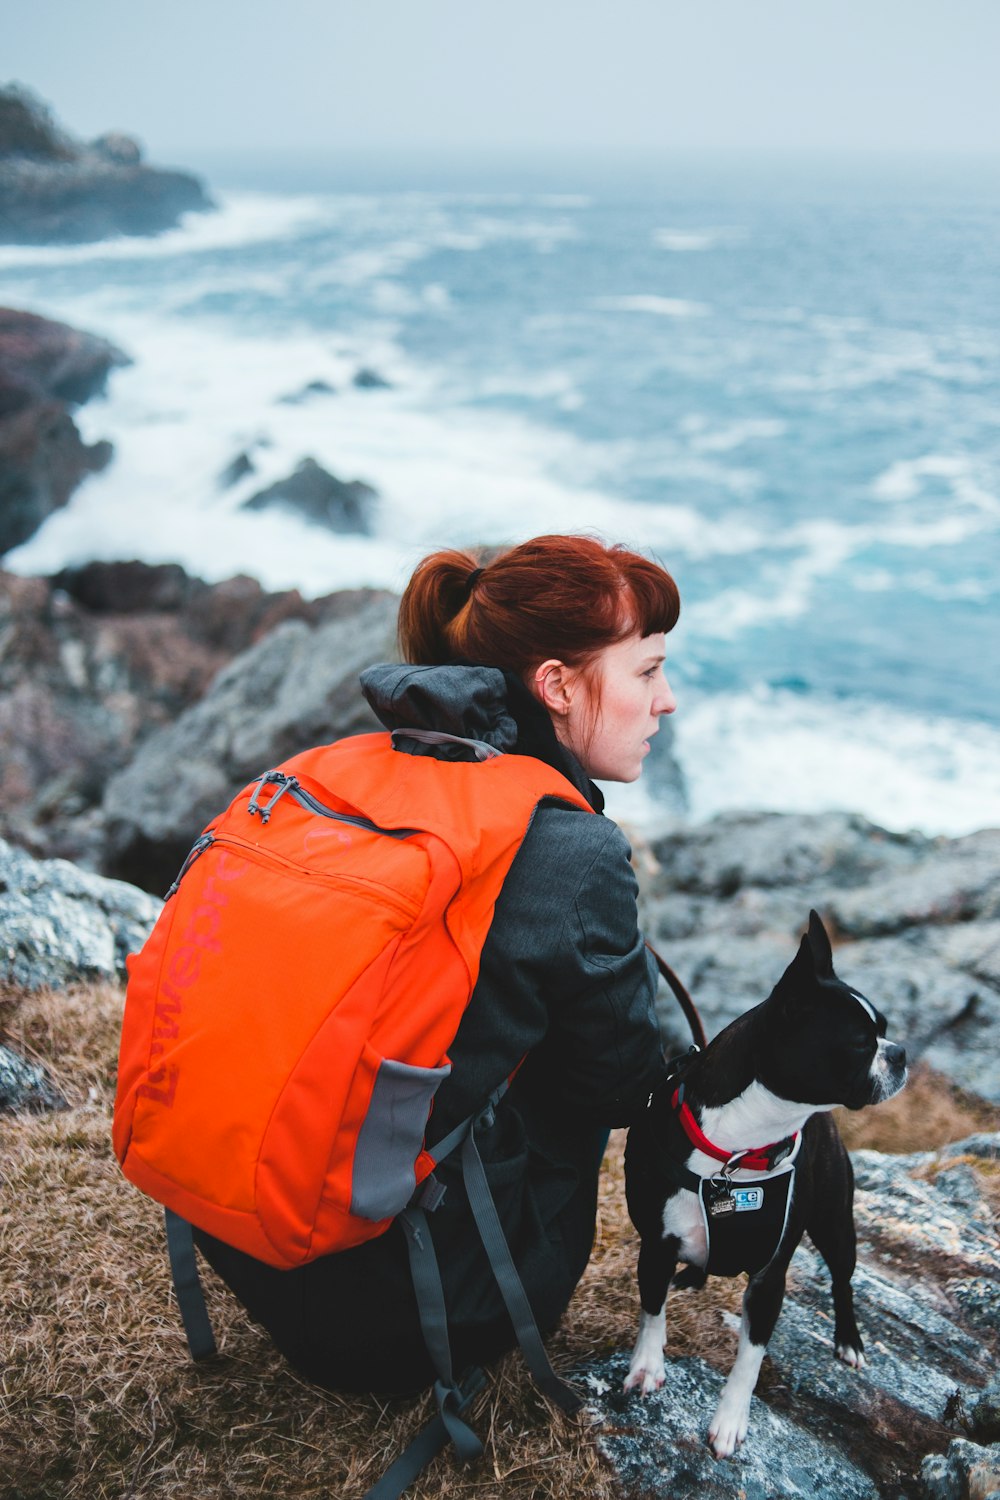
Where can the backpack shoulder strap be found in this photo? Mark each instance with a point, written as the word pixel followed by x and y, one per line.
pixel 187 1285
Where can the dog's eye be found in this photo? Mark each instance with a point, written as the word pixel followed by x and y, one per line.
pixel 880 1025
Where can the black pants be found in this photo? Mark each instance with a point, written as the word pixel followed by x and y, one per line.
pixel 349 1321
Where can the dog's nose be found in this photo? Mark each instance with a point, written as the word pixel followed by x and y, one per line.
pixel 895 1055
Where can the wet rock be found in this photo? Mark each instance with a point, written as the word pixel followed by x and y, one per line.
pixel 297 687
pixel 25 1088
pixel 59 924
pixel 55 188
pixel 238 468
pixel 818 1428
pixel 44 368
pixel 307 392
pixel 321 498
pixel 370 380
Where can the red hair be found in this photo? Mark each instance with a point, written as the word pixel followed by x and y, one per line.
pixel 566 597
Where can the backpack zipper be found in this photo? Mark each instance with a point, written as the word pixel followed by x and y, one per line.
pixel 304 799
pixel 312 804
pixel 197 848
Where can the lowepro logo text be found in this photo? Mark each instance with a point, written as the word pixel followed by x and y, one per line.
pixel 200 935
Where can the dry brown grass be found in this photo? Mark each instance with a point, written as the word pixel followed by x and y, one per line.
pixel 99 1400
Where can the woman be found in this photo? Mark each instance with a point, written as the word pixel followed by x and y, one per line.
pixel 553 649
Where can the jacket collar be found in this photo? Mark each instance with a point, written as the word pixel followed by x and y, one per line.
pixel 481 703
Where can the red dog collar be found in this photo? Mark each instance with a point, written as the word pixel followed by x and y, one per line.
pixel 756 1159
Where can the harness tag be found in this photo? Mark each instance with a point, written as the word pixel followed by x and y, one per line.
pixel 719 1198
pixel 747 1198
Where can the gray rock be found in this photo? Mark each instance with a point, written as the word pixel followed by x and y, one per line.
pixel 307 392
pixel 726 901
pixel 818 1428
pixel 59 924
pixel 321 498
pixel 297 687
pixel 765 850
pixel 958 881
pixel 966 1472
pixel 986 1414
pixel 236 469
pixel 370 380
pixel 656 1445
pixel 24 1086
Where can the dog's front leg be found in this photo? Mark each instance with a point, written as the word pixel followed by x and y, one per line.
pixel 761 1306
pixel 657 1264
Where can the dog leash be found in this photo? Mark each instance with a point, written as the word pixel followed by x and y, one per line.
pixel 687 1005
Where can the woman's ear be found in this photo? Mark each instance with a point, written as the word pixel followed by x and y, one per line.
pixel 554 684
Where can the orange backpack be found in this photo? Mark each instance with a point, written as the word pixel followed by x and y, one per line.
pixel 288 1021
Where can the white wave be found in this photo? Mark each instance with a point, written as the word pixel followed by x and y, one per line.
pixel 735 435
pixel 199 394
pixel 242 219
pixel 904 481
pixel 686 240
pixel 923 582
pixel 661 307
pixel 856 357
pixel 777 750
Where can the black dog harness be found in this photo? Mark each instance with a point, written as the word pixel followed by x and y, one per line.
pixel 744 1219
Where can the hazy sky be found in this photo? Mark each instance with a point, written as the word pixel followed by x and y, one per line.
pixel 222 74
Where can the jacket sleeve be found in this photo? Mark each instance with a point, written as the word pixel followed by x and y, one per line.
pixel 566 986
pixel 603 1051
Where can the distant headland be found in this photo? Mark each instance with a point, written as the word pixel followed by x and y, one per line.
pixel 56 189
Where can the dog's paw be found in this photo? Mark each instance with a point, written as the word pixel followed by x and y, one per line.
pixel 645 1376
pixel 851 1356
pixel 728 1428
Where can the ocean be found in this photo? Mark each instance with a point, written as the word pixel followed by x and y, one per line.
pixel 779 376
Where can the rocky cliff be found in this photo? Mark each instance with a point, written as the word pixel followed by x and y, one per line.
pixel 54 187
pixel 46 369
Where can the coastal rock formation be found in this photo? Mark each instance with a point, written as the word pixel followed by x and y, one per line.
pixel 97 659
pixel 45 368
pixel 916 925
pixel 59 924
pixel 54 188
pixel 926 1295
pixel 367 379
pixel 298 686
pixel 321 498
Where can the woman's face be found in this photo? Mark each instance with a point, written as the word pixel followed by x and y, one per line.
pixel 607 716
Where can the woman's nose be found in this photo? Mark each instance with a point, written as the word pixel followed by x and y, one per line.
pixel 664 702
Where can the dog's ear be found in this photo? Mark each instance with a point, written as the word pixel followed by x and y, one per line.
pixel 813 961
pixel 819 946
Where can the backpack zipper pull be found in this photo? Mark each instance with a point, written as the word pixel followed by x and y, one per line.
pixel 284 784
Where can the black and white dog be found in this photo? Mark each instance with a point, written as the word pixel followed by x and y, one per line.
pixel 737 1156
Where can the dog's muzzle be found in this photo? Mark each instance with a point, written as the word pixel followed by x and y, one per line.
pixel 888 1072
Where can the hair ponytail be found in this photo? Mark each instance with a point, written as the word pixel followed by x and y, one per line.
pixel 435 597
pixel 554 596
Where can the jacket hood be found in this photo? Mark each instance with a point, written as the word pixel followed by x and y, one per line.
pixel 478 703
